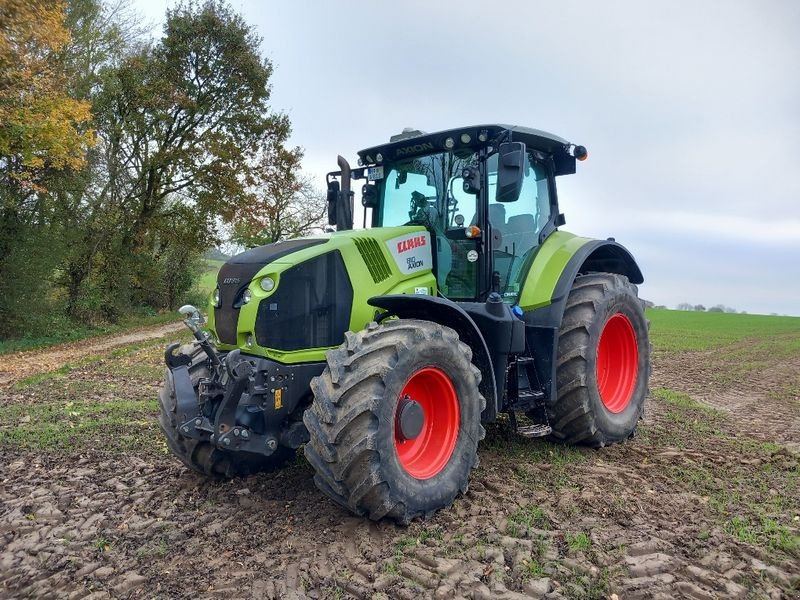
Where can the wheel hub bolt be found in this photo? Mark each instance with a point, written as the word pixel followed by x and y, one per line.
pixel 410 418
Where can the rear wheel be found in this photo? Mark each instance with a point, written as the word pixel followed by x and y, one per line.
pixel 202 456
pixel 603 363
pixel 395 422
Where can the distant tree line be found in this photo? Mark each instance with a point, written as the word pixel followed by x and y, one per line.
pixel 123 159
pixel 719 308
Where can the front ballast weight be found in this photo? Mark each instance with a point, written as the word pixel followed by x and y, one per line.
pixel 232 402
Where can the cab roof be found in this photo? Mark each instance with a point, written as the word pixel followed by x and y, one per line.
pixel 413 143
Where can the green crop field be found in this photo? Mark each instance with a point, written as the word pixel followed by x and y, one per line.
pixel 674 330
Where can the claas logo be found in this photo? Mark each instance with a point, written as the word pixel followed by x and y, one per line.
pixel 411 243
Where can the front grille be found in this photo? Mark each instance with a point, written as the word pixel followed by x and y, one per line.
pixel 373 257
pixel 236 274
pixel 311 307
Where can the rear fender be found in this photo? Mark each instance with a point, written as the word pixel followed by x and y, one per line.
pixel 448 313
pixel 545 296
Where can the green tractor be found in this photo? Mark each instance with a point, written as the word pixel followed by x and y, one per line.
pixel 383 351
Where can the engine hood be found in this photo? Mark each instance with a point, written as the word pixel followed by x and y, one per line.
pixel 321 287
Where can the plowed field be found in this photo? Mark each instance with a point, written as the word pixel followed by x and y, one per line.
pixel 702 503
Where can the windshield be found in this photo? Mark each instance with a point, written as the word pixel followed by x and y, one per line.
pixel 427 190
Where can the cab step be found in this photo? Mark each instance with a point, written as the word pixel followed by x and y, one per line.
pixel 534 431
pixel 528 395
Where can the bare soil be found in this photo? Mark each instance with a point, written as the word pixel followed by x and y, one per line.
pixel 702 503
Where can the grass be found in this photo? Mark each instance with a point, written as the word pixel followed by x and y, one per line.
pixel 501 439
pixel 534 569
pixel 72 425
pixel 751 497
pixel 764 531
pixel 680 331
pixel 685 401
pixel 139 360
pixel 528 517
pixel 578 541
pixel 208 278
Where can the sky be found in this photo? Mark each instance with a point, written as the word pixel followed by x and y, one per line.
pixel 690 111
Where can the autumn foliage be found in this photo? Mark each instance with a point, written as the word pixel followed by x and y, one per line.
pixel 123 158
pixel 40 124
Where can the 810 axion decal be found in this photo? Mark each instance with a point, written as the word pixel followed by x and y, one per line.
pixel 412 252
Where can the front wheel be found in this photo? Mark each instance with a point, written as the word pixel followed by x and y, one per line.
pixel 603 364
pixel 395 422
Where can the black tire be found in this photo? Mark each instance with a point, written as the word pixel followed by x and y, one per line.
pixel 202 456
pixel 579 415
pixel 352 426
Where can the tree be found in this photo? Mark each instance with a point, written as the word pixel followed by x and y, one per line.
pixel 284 203
pixel 699 308
pixel 107 209
pixel 40 124
pixel 684 306
pixel 42 130
pixel 180 124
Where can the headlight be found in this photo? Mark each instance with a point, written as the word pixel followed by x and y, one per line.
pixel 268 284
pixel 215 298
pixel 247 295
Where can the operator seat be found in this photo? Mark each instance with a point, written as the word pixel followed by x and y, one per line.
pixel 521 233
pixel 497 217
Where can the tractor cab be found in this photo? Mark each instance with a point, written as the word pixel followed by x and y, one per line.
pixel 486 194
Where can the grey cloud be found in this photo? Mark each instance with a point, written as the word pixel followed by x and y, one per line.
pixel 689 110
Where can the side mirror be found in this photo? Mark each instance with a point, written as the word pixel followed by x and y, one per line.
pixel 369 196
pixel 510 171
pixel 333 198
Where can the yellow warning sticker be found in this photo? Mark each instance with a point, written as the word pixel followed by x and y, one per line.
pixel 278 399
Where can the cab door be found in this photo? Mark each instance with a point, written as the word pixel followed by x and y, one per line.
pixel 515 228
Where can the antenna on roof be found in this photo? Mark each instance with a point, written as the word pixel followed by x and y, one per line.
pixel 406 134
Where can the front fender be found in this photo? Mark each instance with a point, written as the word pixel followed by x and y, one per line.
pixel 448 313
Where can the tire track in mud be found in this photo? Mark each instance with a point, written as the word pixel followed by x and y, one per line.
pixel 758 404
pixel 137 527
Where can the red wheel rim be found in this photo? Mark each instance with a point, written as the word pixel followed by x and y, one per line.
pixel 617 363
pixel 429 452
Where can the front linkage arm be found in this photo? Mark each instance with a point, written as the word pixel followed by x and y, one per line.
pixel 232 375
